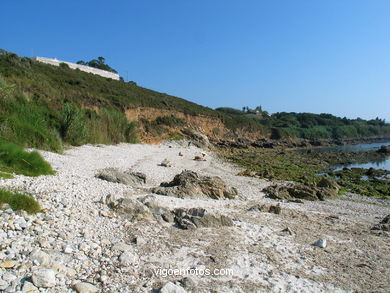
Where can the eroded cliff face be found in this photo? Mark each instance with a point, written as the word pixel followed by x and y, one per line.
pixel 214 128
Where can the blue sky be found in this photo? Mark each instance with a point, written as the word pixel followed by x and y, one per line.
pixel 329 56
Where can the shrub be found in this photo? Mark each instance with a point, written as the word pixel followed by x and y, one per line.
pixel 28 124
pixel 18 201
pixel 64 65
pixel 14 159
pixel 73 125
pixel 171 121
pixel 175 136
pixel 6 88
pixel 111 126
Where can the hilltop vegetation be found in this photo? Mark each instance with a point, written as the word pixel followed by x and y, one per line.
pixel 98 63
pixel 312 126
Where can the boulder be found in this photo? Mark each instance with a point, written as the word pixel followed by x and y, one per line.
pixel 198 139
pixel 273 209
pixel 264 143
pixel 134 210
pixel 116 176
pixel 199 218
pixel 383 225
pixel 327 188
pixel 156 209
pixel 190 184
pixel 299 190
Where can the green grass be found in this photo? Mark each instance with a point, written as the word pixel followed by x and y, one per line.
pixel 5 175
pixel 46 107
pixel 14 159
pixel 19 201
pixel 33 121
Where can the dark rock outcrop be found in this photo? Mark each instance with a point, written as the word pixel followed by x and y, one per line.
pixel 198 218
pixel 273 209
pixel 384 150
pixel 383 225
pixel 198 139
pixel 116 176
pixel 190 184
pixel 327 188
pixel 134 210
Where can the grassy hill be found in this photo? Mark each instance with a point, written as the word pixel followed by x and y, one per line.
pixel 45 106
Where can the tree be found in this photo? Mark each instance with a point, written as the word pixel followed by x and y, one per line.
pixel 98 63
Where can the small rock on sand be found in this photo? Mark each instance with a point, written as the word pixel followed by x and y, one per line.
pixel 320 243
pixel 84 287
pixel 166 163
pixel 172 288
pixel 44 278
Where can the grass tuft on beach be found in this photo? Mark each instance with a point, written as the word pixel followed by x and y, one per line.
pixel 14 159
pixel 19 201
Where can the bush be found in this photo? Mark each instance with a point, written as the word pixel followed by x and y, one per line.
pixel 29 125
pixel 171 121
pixel 111 126
pixel 14 159
pixel 18 201
pixel 64 65
pixel 73 125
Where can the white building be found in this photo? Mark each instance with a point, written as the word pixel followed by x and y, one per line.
pixel 85 68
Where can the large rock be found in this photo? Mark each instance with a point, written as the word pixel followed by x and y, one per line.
pixel 383 225
pixel 116 176
pixel 190 184
pixel 134 210
pixel 44 278
pixel 303 191
pixel 274 209
pixel 198 139
pixel 327 188
pixel 198 218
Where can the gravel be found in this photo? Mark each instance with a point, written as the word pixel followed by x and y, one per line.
pixel 78 240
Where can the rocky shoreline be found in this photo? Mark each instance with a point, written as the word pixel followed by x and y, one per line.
pixel 269 143
pixel 121 233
